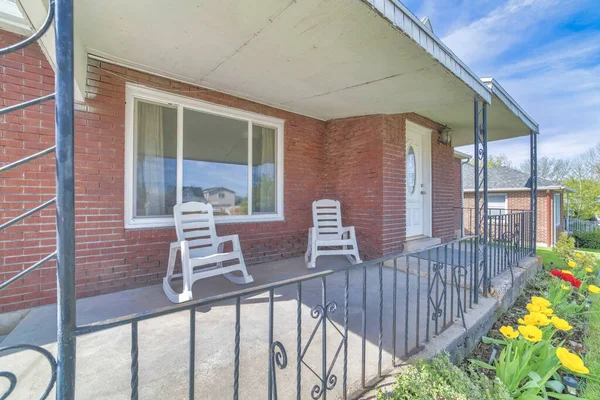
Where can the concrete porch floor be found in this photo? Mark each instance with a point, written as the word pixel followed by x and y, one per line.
pixel 103 358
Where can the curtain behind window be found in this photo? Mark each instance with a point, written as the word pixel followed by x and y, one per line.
pixel 264 173
pixel 155 176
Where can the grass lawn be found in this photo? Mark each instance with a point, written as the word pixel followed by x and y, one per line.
pixel 551 257
pixel 592 344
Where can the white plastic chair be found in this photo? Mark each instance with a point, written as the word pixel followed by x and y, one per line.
pixel 328 237
pixel 201 247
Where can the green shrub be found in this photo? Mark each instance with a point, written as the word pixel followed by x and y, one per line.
pixel 565 247
pixel 587 240
pixel 439 379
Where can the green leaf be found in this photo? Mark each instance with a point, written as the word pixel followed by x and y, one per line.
pixel 482 364
pixel 556 386
pixel 489 340
pixel 562 396
pixel 534 376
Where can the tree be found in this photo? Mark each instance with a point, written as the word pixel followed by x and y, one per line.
pixel 552 168
pixel 584 204
pixel 500 160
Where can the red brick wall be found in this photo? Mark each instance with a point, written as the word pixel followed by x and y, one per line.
pixel 110 258
pixel 394 184
pixel 353 176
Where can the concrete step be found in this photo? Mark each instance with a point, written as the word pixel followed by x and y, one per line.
pixel 420 243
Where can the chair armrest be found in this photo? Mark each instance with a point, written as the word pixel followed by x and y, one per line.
pixel 175 246
pixel 349 230
pixel 234 239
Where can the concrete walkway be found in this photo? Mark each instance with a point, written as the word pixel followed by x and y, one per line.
pixel 103 358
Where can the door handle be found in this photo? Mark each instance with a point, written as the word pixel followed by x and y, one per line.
pixel 422 192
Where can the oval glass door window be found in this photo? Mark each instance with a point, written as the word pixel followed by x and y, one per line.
pixel 411 170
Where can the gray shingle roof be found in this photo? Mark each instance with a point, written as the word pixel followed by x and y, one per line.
pixel 503 178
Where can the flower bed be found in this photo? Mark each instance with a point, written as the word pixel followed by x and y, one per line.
pixel 535 349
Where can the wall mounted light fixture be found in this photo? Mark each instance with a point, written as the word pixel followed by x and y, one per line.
pixel 445 137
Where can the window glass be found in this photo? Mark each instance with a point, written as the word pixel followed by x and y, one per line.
pixel 411 170
pixel 497 204
pixel 264 143
pixel 156 159
pixel 557 209
pixel 215 162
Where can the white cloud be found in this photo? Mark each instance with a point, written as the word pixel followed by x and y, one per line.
pixel 496 32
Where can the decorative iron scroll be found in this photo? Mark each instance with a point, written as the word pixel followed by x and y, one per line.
pixel 12 378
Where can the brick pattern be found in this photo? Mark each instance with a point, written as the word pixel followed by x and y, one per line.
pixel 353 176
pixel 360 161
pixel 394 184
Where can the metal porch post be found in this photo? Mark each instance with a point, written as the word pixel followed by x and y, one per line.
pixel 533 200
pixel 481 199
pixel 65 201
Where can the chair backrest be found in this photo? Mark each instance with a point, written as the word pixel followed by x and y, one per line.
pixel 195 222
pixel 327 218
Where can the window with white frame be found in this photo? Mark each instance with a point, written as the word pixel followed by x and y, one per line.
pixel 497 204
pixel 557 209
pixel 180 149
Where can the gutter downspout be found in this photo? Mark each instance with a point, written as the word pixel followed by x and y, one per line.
pixel 549 219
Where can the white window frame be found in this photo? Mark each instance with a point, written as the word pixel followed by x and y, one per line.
pixel 556 209
pixel 505 208
pixel 137 92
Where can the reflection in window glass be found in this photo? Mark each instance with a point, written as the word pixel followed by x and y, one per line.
pixel 215 162
pixel 411 170
pixel 263 170
pixel 156 159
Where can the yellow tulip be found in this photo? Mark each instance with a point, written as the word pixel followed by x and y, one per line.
pixel 535 319
pixel 533 308
pixel 547 312
pixel 531 333
pixel 509 332
pixel 594 289
pixel 572 264
pixel 589 270
pixel 540 301
pixel 571 361
pixel 578 255
pixel 561 324
pixel 565 287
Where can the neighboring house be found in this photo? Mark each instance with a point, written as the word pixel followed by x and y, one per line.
pixel 363 104
pixel 222 199
pixel 509 190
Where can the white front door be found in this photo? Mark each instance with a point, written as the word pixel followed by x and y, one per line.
pixel 418 180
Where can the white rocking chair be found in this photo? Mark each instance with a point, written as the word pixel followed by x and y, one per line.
pixel 201 247
pixel 327 231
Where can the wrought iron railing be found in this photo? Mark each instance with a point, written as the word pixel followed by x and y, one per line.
pixel 578 225
pixel 430 290
pixel 60 12
pixel 509 240
pixel 464 217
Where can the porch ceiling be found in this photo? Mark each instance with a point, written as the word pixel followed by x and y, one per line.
pixel 327 60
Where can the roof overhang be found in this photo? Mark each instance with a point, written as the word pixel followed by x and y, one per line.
pixel 11 18
pixel 462 156
pixel 501 96
pixel 327 60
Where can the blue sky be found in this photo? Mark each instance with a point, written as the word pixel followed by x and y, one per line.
pixel 546 53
